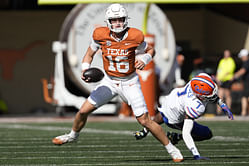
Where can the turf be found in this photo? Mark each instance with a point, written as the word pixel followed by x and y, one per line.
pixel 112 143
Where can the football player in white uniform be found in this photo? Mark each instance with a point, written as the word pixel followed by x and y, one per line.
pixel 123 51
pixel 182 106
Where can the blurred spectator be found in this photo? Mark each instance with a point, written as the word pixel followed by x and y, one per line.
pixel 174 78
pixel 224 74
pixel 179 82
pixel 243 73
pixel 198 67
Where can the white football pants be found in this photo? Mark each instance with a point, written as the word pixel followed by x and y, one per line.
pixel 128 89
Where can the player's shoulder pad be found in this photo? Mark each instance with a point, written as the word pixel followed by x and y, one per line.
pixel 194 108
pixel 136 35
pixel 100 33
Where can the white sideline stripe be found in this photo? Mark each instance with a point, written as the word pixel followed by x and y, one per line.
pixel 54 128
pixel 90 130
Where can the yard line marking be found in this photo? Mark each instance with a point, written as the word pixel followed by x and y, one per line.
pixel 23 139
pixel 55 128
pixel 46 128
pixel 117 132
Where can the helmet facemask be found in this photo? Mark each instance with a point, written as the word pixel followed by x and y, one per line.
pixel 211 98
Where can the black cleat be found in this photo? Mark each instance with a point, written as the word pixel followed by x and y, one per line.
pixel 141 134
pixel 174 137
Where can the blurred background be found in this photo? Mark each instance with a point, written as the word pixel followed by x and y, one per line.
pixel 27 31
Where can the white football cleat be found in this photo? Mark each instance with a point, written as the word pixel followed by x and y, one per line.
pixel 63 139
pixel 176 155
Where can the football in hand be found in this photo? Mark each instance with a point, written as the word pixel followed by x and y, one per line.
pixel 93 75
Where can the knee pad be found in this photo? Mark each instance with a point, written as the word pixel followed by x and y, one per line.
pixel 101 95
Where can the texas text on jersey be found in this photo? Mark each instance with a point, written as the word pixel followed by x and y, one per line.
pixel 118 56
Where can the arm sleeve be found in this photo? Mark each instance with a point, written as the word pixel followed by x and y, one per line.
pixel 186 134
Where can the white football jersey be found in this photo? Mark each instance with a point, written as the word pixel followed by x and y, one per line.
pixel 181 102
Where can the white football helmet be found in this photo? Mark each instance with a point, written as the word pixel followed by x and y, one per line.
pixel 116 11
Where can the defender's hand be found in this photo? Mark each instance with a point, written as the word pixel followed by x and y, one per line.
pixel 225 108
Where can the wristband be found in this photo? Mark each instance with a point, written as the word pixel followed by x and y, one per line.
pixel 146 58
pixel 85 66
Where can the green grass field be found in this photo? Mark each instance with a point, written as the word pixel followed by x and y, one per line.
pixel 112 143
